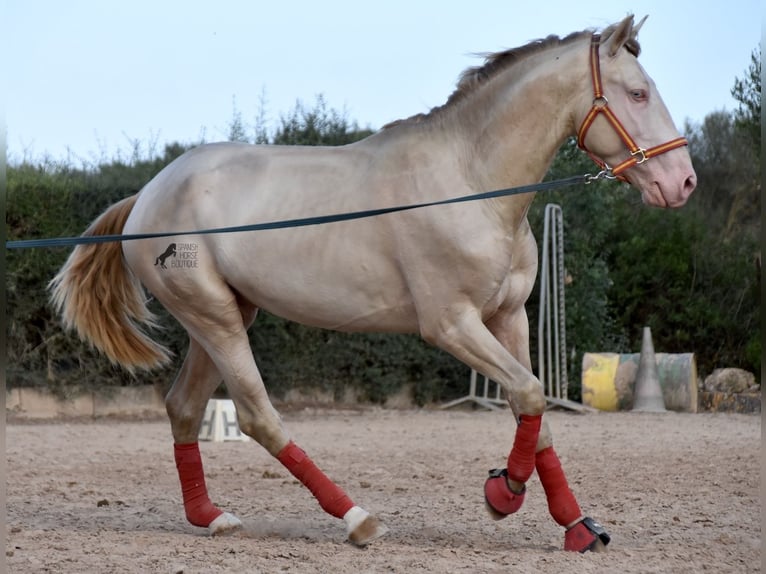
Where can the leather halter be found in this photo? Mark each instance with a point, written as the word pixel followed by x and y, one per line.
pixel 638 154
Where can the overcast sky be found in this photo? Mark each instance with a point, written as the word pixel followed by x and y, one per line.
pixel 87 77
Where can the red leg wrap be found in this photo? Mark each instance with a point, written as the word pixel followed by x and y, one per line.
pixel 521 461
pixel 331 498
pixel 199 510
pixel 579 538
pixel 499 495
pixel 561 501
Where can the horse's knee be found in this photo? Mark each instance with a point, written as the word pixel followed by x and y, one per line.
pixel 529 396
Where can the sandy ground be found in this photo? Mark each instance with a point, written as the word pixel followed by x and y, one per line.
pixel 677 492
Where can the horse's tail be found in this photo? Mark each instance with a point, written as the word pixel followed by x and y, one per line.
pixel 97 295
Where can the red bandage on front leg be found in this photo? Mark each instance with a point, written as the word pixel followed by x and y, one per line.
pixel 561 501
pixel 331 498
pixel 521 461
pixel 199 510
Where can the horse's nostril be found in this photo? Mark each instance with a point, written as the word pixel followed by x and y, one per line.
pixel 689 185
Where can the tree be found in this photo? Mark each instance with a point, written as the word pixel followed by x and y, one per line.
pixel 691 274
pixel 317 126
pixel 747 92
pixel 237 131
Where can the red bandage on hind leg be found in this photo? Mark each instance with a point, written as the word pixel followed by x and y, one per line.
pixel 521 461
pixel 199 510
pixel 561 501
pixel 331 498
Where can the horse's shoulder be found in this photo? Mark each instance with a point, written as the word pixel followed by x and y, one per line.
pixel 525 244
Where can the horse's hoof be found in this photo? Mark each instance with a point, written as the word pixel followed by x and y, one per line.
pixel 370 529
pixel 226 523
pixel 362 527
pixel 499 499
pixel 493 514
pixel 586 536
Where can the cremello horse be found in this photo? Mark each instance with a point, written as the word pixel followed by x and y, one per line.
pixel 457 274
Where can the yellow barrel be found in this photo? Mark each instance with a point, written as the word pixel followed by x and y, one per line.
pixel 608 380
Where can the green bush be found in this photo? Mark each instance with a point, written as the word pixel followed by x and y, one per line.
pixel 689 274
pixel 697 293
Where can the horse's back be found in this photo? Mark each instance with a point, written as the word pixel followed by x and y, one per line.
pixel 261 179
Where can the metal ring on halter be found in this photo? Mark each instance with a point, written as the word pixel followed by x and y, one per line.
pixel 603 174
pixel 640 151
pixel 600 101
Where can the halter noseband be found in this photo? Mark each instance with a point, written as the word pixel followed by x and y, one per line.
pixel 638 154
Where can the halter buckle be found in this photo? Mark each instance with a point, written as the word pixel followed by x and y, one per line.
pixel 639 152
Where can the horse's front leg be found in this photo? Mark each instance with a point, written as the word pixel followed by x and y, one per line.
pixel 511 328
pixel 461 332
pixel 500 350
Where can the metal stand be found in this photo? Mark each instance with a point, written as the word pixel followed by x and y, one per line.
pixel 551 324
pixel 492 403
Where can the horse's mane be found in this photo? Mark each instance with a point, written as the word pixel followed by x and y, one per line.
pixel 495 62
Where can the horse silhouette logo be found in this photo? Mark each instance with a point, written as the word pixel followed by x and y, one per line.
pixel 171 250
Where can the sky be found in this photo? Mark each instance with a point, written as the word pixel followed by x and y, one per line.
pixel 86 79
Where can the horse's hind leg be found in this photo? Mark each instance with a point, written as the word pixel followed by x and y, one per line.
pixel 185 404
pixel 212 319
pixel 258 419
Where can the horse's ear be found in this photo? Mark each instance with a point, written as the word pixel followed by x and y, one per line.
pixel 621 34
pixel 637 27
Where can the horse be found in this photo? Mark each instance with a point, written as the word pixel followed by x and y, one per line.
pixel 458 275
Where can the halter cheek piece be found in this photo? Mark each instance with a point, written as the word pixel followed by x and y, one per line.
pixel 638 154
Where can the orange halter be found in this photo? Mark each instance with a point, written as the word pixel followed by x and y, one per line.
pixel 601 106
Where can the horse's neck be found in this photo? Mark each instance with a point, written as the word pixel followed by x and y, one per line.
pixel 516 123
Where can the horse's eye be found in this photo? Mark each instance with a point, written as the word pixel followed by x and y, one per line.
pixel 639 95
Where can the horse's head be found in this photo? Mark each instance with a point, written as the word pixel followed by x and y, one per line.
pixel 625 124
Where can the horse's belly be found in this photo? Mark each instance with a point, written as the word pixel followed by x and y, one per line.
pixel 347 317
pixel 332 288
pixel 340 310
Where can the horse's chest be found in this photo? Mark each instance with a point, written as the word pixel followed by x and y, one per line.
pixel 512 290
pixel 509 284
